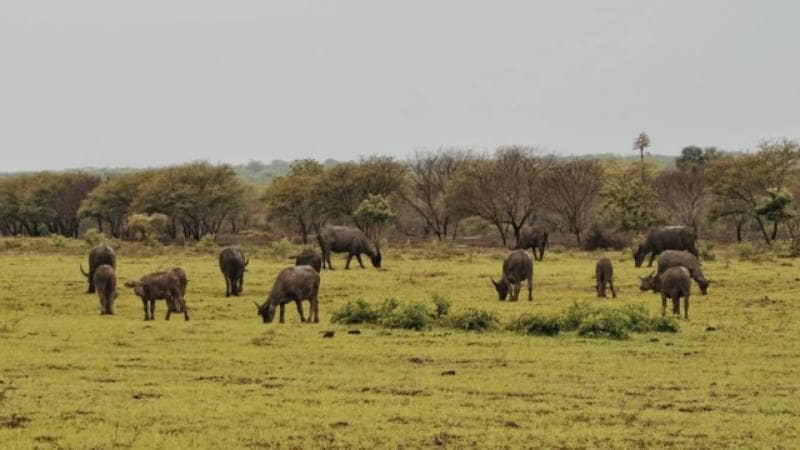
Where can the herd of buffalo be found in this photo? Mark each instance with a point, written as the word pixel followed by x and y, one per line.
pixel 674 246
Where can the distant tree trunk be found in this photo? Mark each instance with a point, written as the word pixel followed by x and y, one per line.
pixel 774 230
pixel 503 232
pixel 763 230
pixel 739 226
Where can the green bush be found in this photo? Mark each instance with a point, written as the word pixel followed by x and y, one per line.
pixel 664 324
pixel 536 325
pixel 358 311
pixel 474 320
pixel 94 237
pixel 58 241
pixel 575 315
pixel 707 251
pixel 441 305
pixel 412 316
pixel 207 242
pixel 606 323
pixel 282 248
pixel 637 318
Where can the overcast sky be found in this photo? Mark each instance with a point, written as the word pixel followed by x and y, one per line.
pixel 140 83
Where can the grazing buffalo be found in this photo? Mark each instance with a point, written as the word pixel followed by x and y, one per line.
pixel 296 284
pixel 105 283
pixel 674 283
pixel 309 257
pixel 675 258
pixel 162 286
pixel 517 267
pixel 532 238
pixel 604 273
pixel 336 239
pixel 233 264
pixel 666 238
pixel 99 255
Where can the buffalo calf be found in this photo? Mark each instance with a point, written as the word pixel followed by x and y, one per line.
pixel 169 286
pixel 517 267
pixel 604 273
pixel 295 284
pixel 105 284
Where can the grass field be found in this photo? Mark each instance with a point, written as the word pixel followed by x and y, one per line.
pixel 70 378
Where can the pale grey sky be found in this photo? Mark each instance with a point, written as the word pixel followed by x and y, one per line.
pixel 152 82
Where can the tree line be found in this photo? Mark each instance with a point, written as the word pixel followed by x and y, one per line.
pixel 429 194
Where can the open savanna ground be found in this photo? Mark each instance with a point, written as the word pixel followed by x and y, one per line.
pixel 71 378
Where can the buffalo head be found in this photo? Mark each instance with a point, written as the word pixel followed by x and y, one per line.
pixel 501 287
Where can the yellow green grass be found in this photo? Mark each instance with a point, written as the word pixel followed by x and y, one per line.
pixel 71 378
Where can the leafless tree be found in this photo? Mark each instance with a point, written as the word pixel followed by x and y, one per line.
pixel 429 175
pixel 683 194
pixel 572 192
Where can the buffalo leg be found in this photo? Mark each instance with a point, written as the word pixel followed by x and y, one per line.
pixel 613 291
pixel 516 287
pixel 315 308
pixel 144 303
pixel 652 257
pixel 326 256
pixel 541 253
pixel 360 263
pixel 227 286
pixel 299 304
pixel 182 304
pixel 170 307
pixel 676 306
pixel 601 289
pixel 347 264
pixel 685 307
pixel 663 305
pixel 530 289
pixel 283 313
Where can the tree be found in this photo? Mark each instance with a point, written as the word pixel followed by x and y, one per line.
pixel 505 190
pixel 629 203
pixel 372 215
pixel 429 176
pixel 742 184
pixel 641 142
pixel 573 188
pixel 111 202
pixel 694 158
pixel 683 194
pixel 293 197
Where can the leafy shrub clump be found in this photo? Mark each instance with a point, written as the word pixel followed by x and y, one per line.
pixel 575 315
pixel 441 306
pixel 282 248
pixel 358 311
pixel 707 251
pixel 474 320
pixel 664 324
pixel 207 242
pixel 412 316
pixel 636 317
pixel 536 325
pixel 606 323
pixel 94 237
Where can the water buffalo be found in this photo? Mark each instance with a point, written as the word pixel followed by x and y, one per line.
pixel 604 273
pixel 162 285
pixel 348 240
pixel 666 238
pixel 532 238
pixel 309 257
pixel 105 283
pixel 674 283
pixel 99 255
pixel 296 284
pixel 675 258
pixel 233 264
pixel 517 267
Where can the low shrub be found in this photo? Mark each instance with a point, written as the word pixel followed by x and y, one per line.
pixel 606 323
pixel 575 315
pixel 282 248
pixel 441 306
pixel 707 251
pixel 207 242
pixel 664 324
pixel 411 316
pixel 637 318
pixel 474 320
pixel 536 325
pixel 94 237
pixel 358 311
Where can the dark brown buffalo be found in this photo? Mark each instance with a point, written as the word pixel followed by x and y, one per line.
pixel 309 257
pixel 336 239
pixel 666 238
pixel 604 273
pixel 295 284
pixel 233 264
pixel 532 238
pixel 105 283
pixel 99 255
pixel 675 258
pixel 517 267
pixel 674 283
pixel 168 286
